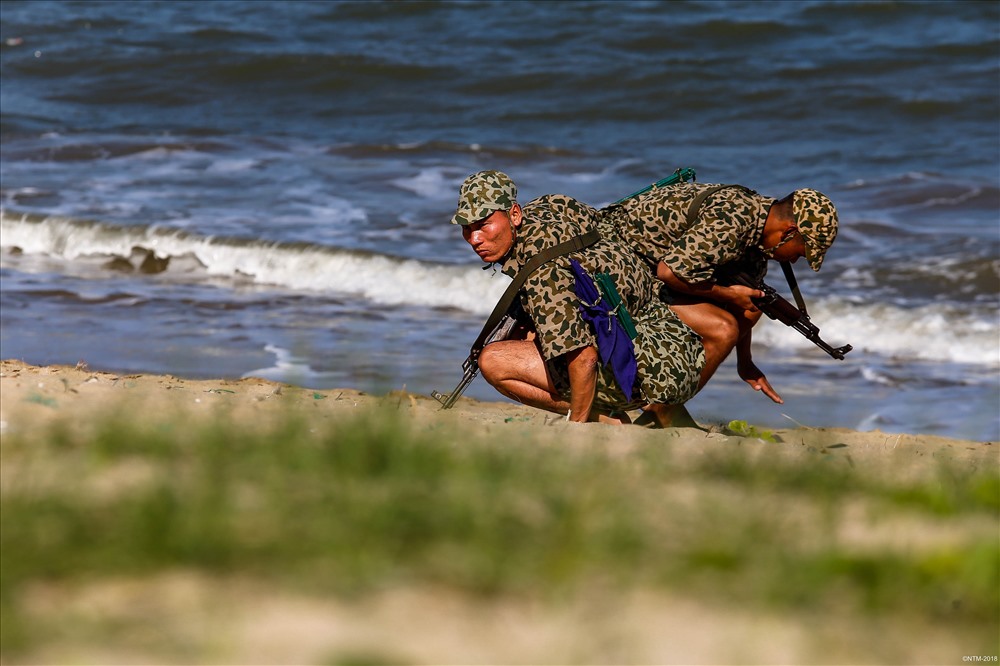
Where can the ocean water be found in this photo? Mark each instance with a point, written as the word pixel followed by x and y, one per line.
pixel 225 189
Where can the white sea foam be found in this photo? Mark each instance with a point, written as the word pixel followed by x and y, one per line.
pixel 287 368
pixel 939 332
pixel 378 278
pixel 947 332
pixel 872 375
pixel 232 165
pixel 431 183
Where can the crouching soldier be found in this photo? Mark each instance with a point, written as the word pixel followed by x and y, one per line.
pixel 603 343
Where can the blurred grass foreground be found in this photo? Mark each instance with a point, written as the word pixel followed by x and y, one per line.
pixel 163 541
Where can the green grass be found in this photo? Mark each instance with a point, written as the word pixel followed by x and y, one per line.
pixel 371 503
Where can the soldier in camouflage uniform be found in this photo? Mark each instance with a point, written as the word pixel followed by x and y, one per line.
pixel 693 247
pixel 559 369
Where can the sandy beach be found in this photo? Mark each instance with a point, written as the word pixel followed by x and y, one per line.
pixel 245 621
pixel 33 397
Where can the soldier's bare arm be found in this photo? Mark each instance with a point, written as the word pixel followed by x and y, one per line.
pixel 737 295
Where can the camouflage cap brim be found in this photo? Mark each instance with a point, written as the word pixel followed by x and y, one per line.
pixel 470 215
pixel 816 219
pixel 482 194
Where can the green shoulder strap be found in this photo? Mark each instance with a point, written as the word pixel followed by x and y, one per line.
pixel 681 175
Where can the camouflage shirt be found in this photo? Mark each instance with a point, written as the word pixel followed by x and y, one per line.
pixel 669 355
pixel 728 228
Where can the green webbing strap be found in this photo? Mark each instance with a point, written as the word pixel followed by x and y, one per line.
pixel 674 178
pixel 606 285
pixel 503 305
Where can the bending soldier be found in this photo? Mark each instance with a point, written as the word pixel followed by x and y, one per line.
pixel 693 235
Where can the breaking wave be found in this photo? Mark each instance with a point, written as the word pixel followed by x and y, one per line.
pixel 953 332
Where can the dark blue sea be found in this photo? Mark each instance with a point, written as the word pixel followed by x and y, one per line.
pixel 222 189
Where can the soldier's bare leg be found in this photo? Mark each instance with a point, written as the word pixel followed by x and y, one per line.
pixel 718 328
pixel 516 369
pixel 720 331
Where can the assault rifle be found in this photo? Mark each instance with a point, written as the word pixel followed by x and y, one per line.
pixel 776 307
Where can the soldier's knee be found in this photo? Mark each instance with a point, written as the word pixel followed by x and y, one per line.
pixel 490 365
pixel 723 330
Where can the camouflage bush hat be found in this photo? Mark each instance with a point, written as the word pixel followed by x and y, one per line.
pixel 481 194
pixel 816 218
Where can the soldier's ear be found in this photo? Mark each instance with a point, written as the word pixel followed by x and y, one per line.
pixel 516 215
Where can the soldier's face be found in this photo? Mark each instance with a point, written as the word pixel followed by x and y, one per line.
pixel 493 236
pixel 791 248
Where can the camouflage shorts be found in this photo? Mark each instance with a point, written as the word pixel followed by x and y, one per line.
pixel 669 357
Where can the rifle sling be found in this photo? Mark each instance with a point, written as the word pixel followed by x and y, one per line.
pixel 793 284
pixel 503 305
pixel 786 267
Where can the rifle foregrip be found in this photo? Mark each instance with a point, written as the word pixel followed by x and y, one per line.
pixel 776 307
